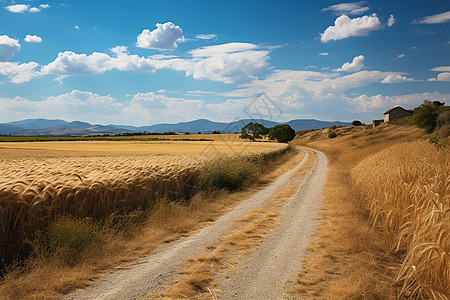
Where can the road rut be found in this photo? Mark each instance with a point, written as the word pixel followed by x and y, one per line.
pixel 151 274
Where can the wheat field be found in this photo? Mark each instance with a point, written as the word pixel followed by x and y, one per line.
pixel 120 178
pixel 408 189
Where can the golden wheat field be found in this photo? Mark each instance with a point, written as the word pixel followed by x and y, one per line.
pixel 96 179
pixel 408 189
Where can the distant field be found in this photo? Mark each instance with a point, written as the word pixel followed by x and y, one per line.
pixel 40 180
pixel 165 147
pixel 101 138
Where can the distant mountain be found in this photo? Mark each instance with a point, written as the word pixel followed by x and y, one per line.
pixel 206 126
pixel 37 123
pixel 9 129
pixel 44 127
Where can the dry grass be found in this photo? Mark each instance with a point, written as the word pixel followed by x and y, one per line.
pixel 196 280
pixel 176 147
pixel 403 191
pixel 33 191
pixel 408 187
pixel 166 222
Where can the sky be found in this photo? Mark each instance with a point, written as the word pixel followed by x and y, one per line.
pixel 148 62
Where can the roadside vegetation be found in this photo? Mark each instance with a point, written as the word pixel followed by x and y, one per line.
pixel 384 232
pixel 71 249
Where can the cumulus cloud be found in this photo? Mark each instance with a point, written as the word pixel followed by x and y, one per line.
pixel 164 37
pixel 390 21
pixel 76 105
pixel 76 27
pixel 434 19
pixel 228 63
pixel 206 36
pixel 17 72
pixel 356 65
pixel 367 103
pixel 18 8
pixel 441 77
pixel 70 63
pixel 21 8
pixel 345 27
pixel 323 54
pixel 33 39
pixel 396 79
pixel 8 47
pixel 353 8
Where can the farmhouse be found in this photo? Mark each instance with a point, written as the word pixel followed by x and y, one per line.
pixel 396 113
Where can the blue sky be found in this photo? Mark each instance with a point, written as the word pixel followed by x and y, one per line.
pixel 147 62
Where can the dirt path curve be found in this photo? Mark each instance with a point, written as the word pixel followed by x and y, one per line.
pixel 278 257
pixel 151 274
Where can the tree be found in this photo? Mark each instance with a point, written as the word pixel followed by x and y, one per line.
pixel 356 123
pixel 253 131
pixel 283 133
pixel 216 132
pixel 426 115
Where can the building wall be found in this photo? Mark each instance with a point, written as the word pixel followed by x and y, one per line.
pixel 396 114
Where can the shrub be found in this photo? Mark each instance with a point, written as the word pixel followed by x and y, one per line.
pixel 230 174
pixel 426 115
pixel 333 127
pixel 69 237
pixel 283 133
pixel 356 123
pixel 332 135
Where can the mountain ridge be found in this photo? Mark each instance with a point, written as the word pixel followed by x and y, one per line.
pixel 58 127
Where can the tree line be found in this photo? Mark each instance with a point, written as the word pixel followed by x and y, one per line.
pixel 282 133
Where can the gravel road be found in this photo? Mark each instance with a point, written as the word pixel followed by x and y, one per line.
pixel 263 277
pixel 278 258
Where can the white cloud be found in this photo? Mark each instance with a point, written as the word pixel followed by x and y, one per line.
pixel 222 49
pixel 206 36
pixel 18 8
pixel 441 69
pixel 34 10
pixel 21 8
pixel 70 63
pixel 323 53
pixel 356 65
pixel 396 79
pixel 76 27
pixel 401 55
pixel 369 103
pixel 76 105
pixel 345 27
pixel 441 77
pixel 17 72
pixel 8 47
pixel 227 63
pixel 354 8
pixel 164 37
pixel 434 19
pixel 390 21
pixel 33 39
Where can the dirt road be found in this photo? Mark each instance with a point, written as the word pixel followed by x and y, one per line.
pixel 264 276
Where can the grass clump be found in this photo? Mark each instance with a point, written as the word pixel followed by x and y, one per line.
pixel 67 237
pixel 230 174
pixel 332 135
